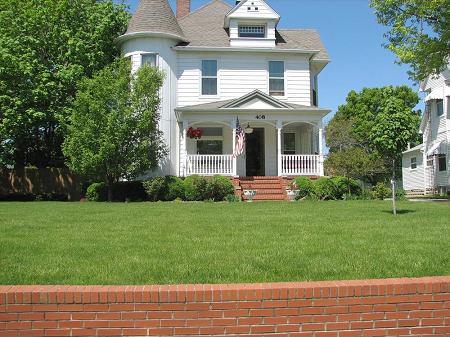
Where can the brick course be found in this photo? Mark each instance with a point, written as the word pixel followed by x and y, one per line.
pixel 392 307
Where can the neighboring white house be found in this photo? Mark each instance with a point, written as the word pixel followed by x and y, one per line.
pixel 224 63
pixel 426 167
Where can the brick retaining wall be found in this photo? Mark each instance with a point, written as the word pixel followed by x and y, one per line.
pixel 393 307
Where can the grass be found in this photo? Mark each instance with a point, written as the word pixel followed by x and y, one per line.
pixel 166 243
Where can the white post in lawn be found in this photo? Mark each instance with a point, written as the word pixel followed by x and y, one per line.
pixel 233 127
pixel 183 157
pixel 321 161
pixel 279 129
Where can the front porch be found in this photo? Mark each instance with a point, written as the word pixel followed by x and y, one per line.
pixel 281 139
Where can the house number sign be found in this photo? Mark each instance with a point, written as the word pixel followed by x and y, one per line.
pixel 260 116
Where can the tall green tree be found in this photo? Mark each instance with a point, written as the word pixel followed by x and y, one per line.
pixel 355 149
pixel 419 33
pixel 113 130
pixel 46 47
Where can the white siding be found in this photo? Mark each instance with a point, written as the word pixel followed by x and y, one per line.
pixel 240 74
pixel 263 10
pixel 413 179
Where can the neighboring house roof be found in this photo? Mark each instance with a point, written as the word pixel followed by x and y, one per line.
pixel 204 28
pixel 415 149
pixel 235 104
pixel 154 16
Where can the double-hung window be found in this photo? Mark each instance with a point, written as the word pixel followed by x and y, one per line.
pixel 442 162
pixel 430 161
pixel 440 107
pixel 289 143
pixel 252 31
pixel 276 78
pixel 209 77
pixel 148 59
pixel 413 163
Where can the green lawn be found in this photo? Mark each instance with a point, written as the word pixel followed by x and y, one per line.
pixel 165 243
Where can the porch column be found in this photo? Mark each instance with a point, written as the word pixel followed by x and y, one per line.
pixel 321 160
pixel 183 149
pixel 279 129
pixel 233 127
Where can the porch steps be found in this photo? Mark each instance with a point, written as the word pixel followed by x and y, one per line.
pixel 268 188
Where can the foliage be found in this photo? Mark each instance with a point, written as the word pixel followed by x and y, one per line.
pixel 113 131
pixel 232 198
pixel 176 189
pixel 304 186
pixel 97 192
pixel 381 191
pixel 218 188
pixel 419 33
pixel 46 47
pixel 345 186
pixel 34 197
pixel 364 118
pixel 324 189
pixel 195 188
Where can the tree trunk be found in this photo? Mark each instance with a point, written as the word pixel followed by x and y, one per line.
pixel 393 183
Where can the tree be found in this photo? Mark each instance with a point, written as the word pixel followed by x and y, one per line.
pixel 394 128
pixel 46 47
pixel 354 148
pixel 419 33
pixel 113 130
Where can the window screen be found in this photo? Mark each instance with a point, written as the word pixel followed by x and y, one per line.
pixel 276 78
pixel 413 163
pixel 148 59
pixel 209 77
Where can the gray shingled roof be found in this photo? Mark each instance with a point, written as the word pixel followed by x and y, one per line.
pixel 154 16
pixel 204 28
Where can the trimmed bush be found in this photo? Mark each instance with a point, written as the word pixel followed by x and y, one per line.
pixel 195 188
pixel 97 192
pixel 176 189
pixel 305 186
pixel 218 188
pixel 381 191
pixel 345 186
pixel 324 189
pixel 18 197
pixel 157 189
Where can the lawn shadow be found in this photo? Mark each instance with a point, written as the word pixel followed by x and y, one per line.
pixel 401 211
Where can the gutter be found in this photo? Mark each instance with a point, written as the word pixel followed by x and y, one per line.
pixel 241 49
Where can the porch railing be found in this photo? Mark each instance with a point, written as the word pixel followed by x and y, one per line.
pixel 208 165
pixel 300 164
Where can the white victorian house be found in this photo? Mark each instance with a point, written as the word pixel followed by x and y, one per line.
pixel 426 167
pixel 224 63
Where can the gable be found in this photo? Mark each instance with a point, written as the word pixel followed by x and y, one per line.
pixel 252 10
pixel 256 100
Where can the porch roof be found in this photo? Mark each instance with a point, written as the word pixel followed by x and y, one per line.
pixel 239 105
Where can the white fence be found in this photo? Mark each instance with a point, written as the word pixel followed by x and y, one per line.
pixel 208 165
pixel 301 165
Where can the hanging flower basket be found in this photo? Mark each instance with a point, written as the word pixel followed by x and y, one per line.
pixel 195 133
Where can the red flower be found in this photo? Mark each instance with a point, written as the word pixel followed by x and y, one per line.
pixel 194 133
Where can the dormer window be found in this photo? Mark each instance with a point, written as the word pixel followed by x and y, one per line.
pixel 252 31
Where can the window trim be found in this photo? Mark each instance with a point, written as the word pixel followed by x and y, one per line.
pixel 252 37
pixel 148 53
pixel 411 163
pixel 439 102
pixel 279 78
pixel 217 95
pixel 430 160
pixel 439 157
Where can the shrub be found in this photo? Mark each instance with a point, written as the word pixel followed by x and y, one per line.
pixel 400 194
pixel 218 188
pixel 305 186
pixel 195 188
pixel 232 198
pixel 381 191
pixel 176 189
pixel 97 192
pixel 129 191
pixel 18 197
pixel 157 189
pixel 345 186
pixel 324 189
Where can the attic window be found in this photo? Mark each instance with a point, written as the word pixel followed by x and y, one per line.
pixel 252 31
pixel 252 8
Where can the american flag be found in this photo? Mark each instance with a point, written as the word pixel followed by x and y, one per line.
pixel 240 140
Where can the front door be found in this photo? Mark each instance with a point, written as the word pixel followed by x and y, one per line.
pixel 255 161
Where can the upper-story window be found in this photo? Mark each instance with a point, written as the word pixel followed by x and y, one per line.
pixel 413 163
pixel 440 107
pixel 252 31
pixel 209 77
pixel 442 162
pixel 276 78
pixel 148 59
